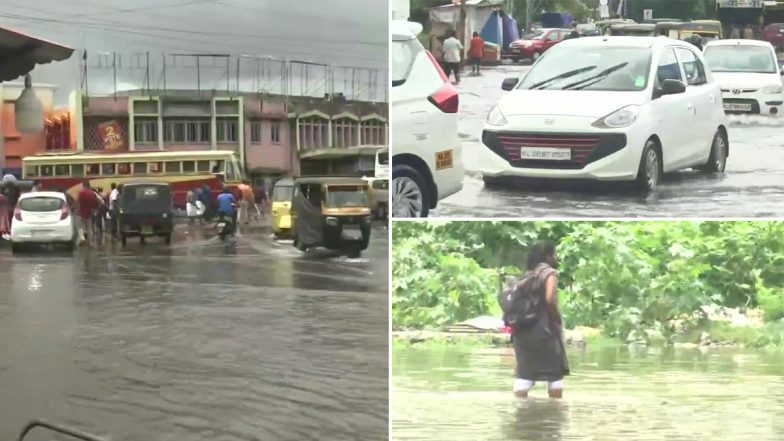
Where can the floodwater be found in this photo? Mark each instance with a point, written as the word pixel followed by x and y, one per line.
pixel 614 393
pixel 247 340
pixel 752 185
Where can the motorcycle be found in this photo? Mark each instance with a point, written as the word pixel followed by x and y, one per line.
pixel 225 227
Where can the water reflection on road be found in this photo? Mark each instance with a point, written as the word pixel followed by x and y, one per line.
pixel 204 340
pixel 612 394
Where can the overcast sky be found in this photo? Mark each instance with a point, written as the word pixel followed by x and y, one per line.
pixel 338 32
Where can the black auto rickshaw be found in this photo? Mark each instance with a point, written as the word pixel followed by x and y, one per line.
pixel 331 212
pixel 146 209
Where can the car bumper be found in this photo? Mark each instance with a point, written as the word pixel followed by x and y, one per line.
pixel 26 233
pixel 597 155
pixel 753 103
pixel 449 181
pixel 522 52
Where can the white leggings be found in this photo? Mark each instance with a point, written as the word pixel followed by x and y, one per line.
pixel 522 385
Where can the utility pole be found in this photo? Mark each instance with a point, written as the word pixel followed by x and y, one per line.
pixel 461 33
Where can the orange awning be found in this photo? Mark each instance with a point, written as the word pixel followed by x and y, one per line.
pixel 19 53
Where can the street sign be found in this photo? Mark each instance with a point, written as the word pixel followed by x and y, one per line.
pixel 604 11
pixel 647 14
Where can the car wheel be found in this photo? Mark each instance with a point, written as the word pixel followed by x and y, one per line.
pixel 410 196
pixel 717 160
pixel 650 169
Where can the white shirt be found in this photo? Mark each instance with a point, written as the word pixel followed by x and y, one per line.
pixel 113 195
pixel 451 49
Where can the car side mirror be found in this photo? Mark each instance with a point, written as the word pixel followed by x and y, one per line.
pixel 672 87
pixel 509 83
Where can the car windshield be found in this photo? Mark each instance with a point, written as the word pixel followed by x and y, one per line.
pixel 740 58
pixel 590 68
pixel 534 35
pixel 41 204
pixel 346 196
pixel 282 193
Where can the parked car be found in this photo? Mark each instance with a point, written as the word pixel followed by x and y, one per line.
pixel 534 44
pixel 749 75
pixel 427 163
pixel 42 217
pixel 774 34
pixel 609 109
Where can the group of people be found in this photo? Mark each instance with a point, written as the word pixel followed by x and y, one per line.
pixel 452 54
pixel 746 33
pixel 201 206
pixel 97 211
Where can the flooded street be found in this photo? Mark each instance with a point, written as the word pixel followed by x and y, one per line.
pixel 612 394
pixel 753 184
pixel 201 340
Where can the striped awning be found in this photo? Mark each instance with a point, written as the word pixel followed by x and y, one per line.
pixel 20 53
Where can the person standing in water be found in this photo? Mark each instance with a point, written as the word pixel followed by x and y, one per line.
pixel 453 55
pixel 539 349
pixel 476 52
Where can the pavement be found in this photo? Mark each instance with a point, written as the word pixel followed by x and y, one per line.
pixel 203 339
pixel 752 186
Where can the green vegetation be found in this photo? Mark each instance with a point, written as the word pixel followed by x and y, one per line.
pixel 644 279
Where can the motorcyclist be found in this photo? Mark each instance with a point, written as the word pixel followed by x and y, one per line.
pixel 227 205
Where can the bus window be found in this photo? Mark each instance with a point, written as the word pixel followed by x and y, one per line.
pixel 219 167
pixel 93 170
pixel 140 168
pixel 172 167
pixel 124 168
pixel 108 169
pixel 203 166
pixel 77 170
pixel 46 170
pixel 188 167
pixel 156 167
pixel 31 171
pixel 231 172
pixel 62 170
pixel 240 172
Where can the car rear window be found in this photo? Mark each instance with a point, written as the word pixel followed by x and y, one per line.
pixel 41 204
pixel 403 55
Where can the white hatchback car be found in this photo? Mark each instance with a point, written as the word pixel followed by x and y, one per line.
pixel 42 217
pixel 610 109
pixel 749 75
pixel 427 163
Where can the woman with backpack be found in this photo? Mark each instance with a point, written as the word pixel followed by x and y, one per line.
pixel 530 307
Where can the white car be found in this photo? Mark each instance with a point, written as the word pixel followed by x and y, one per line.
pixel 42 217
pixel 749 75
pixel 609 109
pixel 427 163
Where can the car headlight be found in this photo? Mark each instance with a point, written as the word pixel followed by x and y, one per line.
pixel 772 89
pixel 622 117
pixel 332 221
pixel 495 117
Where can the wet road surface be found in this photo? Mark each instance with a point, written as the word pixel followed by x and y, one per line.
pixel 752 186
pixel 204 340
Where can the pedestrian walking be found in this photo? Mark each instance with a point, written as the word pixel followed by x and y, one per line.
pixel 206 195
pixel 246 201
pixel 5 219
pixel 748 32
pixel 113 211
pixel 100 212
pixel 476 52
pixel 191 210
pixel 735 33
pixel 453 55
pixel 87 205
pixel 530 306
pixel 261 200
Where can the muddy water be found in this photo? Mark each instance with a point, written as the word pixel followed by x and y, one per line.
pixel 612 394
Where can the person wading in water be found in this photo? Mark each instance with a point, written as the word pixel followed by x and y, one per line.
pixel 537 325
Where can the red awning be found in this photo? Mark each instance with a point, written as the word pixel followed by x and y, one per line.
pixel 19 53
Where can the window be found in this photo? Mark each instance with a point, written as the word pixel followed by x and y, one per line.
pixel 275 132
pixel 41 204
pixel 31 171
pixel 93 170
pixel 107 169
pixel 172 167
pixel 373 133
pixel 47 170
pixel 145 131
pixel 226 130
pixel 77 170
pixel 124 168
pixel 667 68
pixel 345 133
pixel 255 132
pixel 156 167
pixel 62 170
pixel 203 166
pixel 741 58
pixel 187 131
pixel 140 168
pixel 313 133
pixel 695 72
pixel 553 36
pixel 188 166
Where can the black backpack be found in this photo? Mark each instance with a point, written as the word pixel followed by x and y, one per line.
pixel 521 299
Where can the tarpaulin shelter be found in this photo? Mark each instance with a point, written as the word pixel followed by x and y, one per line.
pixel 486 17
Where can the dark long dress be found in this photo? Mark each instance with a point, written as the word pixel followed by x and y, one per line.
pixel 539 351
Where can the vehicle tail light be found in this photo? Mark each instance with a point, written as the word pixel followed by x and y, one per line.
pixel 446 99
pixel 65 212
pixel 17 214
pixel 437 65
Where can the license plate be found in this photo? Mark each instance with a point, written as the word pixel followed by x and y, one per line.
pixel 352 232
pixel 146 229
pixel 737 107
pixel 39 233
pixel 546 153
pixel 444 160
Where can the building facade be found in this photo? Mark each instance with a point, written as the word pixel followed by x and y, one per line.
pixel 17 145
